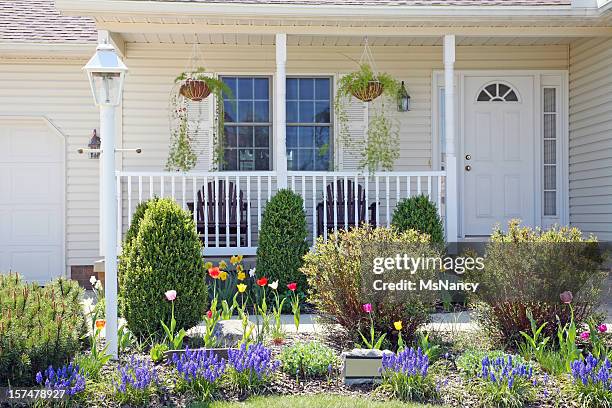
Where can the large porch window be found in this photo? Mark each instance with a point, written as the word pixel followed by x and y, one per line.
pixel 309 123
pixel 248 124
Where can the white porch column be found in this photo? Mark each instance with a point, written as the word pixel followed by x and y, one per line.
pixel 280 121
pixel 452 215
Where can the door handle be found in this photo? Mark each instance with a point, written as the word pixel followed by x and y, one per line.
pixel 468 168
pixel 468 157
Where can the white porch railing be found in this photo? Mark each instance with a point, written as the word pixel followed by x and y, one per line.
pixel 234 228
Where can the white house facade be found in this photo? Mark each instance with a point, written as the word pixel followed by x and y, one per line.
pixel 511 116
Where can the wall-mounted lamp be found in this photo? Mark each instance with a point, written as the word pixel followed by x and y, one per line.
pixel 403 99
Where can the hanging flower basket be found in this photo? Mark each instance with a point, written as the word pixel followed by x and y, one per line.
pixel 370 92
pixel 195 89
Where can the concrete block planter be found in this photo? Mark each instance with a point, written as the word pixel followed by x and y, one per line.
pixel 362 366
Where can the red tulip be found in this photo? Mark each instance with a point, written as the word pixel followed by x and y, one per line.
pixel 262 281
pixel 566 297
pixel 214 272
pixel 292 286
pixel 209 314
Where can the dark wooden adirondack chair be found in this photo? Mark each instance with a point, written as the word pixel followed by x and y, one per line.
pixel 216 209
pixel 352 206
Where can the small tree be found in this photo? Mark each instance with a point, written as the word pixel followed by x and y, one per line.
pixel 164 255
pixel 419 213
pixel 282 239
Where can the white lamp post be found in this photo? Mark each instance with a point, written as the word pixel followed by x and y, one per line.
pixel 106 74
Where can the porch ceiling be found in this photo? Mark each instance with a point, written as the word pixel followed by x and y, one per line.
pixel 334 40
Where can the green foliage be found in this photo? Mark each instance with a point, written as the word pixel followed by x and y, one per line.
pixel 431 350
pixel 495 395
pixel 39 327
pixel 157 352
pixel 527 269
pixel 164 255
pixel 419 213
pixel 282 239
pixel 308 360
pixel 334 272
pixel 381 147
pixel 470 362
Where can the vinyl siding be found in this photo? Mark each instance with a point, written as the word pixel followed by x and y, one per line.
pixel 59 91
pixel 590 147
pixel 154 66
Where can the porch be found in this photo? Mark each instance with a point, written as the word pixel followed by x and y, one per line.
pixel 233 228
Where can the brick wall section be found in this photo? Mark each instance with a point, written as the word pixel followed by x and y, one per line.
pixel 82 274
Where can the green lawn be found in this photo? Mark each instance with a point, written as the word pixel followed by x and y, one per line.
pixel 313 401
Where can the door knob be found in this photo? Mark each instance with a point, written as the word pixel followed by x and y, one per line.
pixel 468 157
pixel 468 168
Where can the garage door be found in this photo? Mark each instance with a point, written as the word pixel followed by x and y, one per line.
pixel 31 200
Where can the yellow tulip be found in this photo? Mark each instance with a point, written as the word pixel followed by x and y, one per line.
pixel 233 260
pixel 241 275
pixel 241 287
pixel 398 325
pixel 223 275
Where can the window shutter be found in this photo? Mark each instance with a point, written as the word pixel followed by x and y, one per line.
pixel 201 118
pixel 350 156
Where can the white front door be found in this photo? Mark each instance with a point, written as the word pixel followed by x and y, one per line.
pixel 498 152
pixel 31 200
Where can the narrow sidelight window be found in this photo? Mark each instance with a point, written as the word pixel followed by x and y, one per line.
pixel 549 131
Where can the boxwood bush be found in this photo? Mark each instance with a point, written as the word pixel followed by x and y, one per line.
pixel 39 327
pixel 282 239
pixel 337 289
pixel 526 270
pixel 419 213
pixel 164 255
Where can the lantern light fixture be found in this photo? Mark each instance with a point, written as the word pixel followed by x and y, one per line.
pixel 106 73
pixel 403 99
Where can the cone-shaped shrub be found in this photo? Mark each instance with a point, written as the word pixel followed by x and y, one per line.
pixel 282 239
pixel 164 255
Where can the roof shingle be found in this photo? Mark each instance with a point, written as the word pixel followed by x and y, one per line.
pixel 38 21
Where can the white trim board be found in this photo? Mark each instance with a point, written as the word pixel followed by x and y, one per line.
pixel 556 78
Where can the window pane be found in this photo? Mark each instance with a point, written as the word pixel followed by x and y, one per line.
pixel 322 88
pixel 322 159
pixel 306 112
pixel 292 136
pixel 230 111
pixel 231 83
pixel 322 112
pixel 230 136
pixel 262 159
pixel 550 177
pixel 305 160
pixel 245 159
pixel 230 157
pixel 550 152
pixel 550 126
pixel 292 157
pixel 306 88
pixel 245 111
pixel 511 97
pixel 262 136
pixel 321 136
pixel 262 112
pixel 306 136
pixel 550 203
pixel 550 100
pixel 292 112
pixel 245 136
pixel 292 88
pixel 503 89
pixel 245 88
pixel 262 88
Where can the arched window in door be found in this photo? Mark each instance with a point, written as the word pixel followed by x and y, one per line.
pixel 497 92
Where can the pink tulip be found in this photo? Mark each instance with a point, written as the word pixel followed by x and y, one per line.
pixel 602 328
pixel 367 308
pixel 171 295
pixel 566 297
pixel 585 335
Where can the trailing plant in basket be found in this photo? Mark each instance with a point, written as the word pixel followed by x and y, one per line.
pixel 193 86
pixel 380 150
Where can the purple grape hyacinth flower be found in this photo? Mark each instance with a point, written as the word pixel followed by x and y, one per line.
pixel 136 374
pixel 68 378
pixel 256 359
